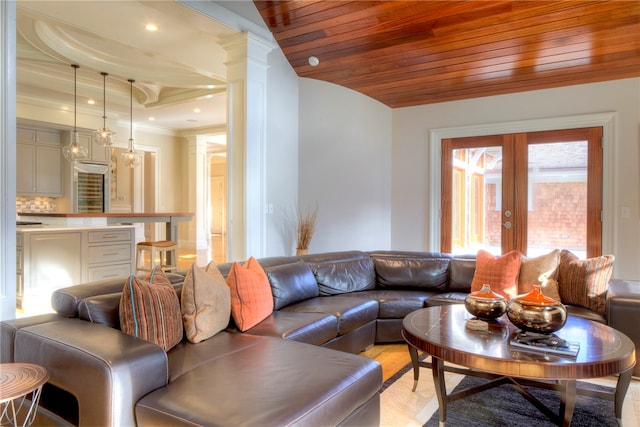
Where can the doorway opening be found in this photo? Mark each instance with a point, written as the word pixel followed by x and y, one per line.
pixel 531 192
pixel 216 216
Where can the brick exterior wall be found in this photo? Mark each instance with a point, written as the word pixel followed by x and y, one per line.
pixel 558 216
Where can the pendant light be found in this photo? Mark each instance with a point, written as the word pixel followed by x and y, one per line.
pixel 74 151
pixel 131 157
pixel 104 136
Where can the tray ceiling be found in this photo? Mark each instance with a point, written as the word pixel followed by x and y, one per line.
pixel 178 68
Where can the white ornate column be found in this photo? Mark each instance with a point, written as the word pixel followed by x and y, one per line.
pixel 7 160
pixel 246 140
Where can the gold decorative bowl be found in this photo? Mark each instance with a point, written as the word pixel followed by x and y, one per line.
pixel 485 304
pixel 535 312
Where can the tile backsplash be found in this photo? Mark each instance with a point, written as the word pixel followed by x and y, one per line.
pixel 35 204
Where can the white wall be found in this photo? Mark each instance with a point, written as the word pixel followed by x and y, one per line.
pixel 410 176
pixel 281 151
pixel 345 167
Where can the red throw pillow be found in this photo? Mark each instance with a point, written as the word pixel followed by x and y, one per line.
pixel 251 298
pixel 499 272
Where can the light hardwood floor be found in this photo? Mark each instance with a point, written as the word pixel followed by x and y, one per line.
pixel 392 357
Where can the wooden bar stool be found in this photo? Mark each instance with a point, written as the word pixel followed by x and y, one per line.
pixel 165 250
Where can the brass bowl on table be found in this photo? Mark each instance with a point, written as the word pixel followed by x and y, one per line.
pixel 485 304
pixel 535 312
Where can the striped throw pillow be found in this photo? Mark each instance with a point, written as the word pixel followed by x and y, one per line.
pixel 150 310
pixel 585 282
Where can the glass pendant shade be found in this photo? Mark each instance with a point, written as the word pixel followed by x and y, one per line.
pixel 74 151
pixel 104 136
pixel 131 157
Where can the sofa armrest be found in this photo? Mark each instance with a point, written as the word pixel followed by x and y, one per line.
pixel 106 370
pixel 623 311
pixel 8 329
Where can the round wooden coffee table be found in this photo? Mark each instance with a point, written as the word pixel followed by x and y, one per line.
pixel 17 382
pixel 442 333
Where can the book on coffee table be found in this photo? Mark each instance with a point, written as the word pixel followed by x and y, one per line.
pixel 545 344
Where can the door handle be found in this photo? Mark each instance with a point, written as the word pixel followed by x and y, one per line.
pixel 507 225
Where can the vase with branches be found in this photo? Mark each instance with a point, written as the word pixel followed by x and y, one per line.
pixel 305 223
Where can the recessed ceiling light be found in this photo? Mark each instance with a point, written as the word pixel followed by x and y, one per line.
pixel 151 27
pixel 196 110
pixel 211 86
pixel 91 101
pixel 209 96
pixel 313 61
pixel 151 118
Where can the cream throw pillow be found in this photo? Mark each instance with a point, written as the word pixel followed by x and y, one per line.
pixel 206 303
pixel 543 271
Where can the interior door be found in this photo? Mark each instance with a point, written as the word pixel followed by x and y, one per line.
pixel 531 192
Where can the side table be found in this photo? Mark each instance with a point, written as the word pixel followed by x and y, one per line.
pixel 18 381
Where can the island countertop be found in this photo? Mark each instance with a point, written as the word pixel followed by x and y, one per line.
pixel 61 219
pixel 105 214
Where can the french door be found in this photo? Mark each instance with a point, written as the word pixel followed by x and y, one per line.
pixel 531 192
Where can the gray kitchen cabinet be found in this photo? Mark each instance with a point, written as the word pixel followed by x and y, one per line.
pixel 95 153
pixel 53 258
pixel 39 163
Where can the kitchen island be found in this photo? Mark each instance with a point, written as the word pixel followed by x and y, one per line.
pixel 171 219
pixel 53 257
pixel 72 248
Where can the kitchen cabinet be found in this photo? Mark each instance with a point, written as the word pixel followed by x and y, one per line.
pixel 53 258
pixel 39 162
pixel 110 253
pixel 95 153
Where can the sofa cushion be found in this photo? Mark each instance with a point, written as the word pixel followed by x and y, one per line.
pixel 291 283
pixel 206 302
pixel 396 304
pixel 343 273
pixel 461 272
pixel 105 309
pixel 101 309
pixel 310 328
pixel 446 298
pixel 500 272
pixel 584 282
pixel 274 382
pixel 251 299
pixel 150 310
pixel 407 270
pixel 66 300
pixel 541 270
pixel 350 310
pixel 187 355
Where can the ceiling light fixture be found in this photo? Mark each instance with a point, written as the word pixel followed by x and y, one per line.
pixel 314 61
pixel 131 157
pixel 74 151
pixel 151 27
pixel 104 136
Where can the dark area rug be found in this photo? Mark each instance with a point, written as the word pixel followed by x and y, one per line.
pixel 504 406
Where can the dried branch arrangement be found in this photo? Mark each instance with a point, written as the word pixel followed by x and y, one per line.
pixel 305 222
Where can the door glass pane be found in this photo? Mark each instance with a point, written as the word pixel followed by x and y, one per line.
pixel 557 199
pixel 476 200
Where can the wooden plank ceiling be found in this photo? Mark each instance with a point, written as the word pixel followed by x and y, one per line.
pixel 406 53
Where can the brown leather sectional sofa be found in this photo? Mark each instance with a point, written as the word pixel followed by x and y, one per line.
pixel 283 371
